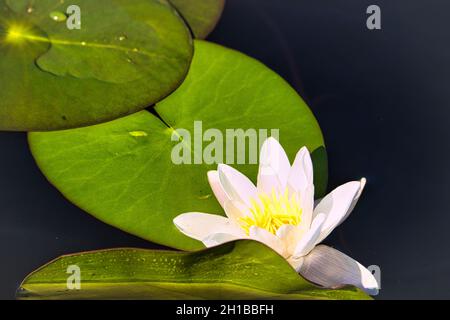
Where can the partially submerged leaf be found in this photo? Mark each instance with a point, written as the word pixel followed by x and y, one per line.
pixel 126 56
pixel 238 270
pixel 122 172
pixel 201 15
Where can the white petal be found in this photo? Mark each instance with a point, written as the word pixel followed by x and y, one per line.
pixel 236 185
pixel 235 210
pixel 286 231
pixel 307 203
pixel 301 181
pixel 296 263
pixel 301 175
pixel 335 206
pixel 216 186
pixel 362 185
pixel 274 167
pixel 309 240
pixel 331 268
pixel 200 225
pixel 269 239
pixel 290 235
pixel 217 239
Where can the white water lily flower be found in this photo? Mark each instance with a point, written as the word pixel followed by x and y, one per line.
pixel 280 213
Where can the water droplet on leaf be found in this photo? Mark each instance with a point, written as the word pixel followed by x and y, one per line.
pixel 58 16
pixel 138 133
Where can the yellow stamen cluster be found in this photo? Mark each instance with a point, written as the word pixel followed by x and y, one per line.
pixel 270 212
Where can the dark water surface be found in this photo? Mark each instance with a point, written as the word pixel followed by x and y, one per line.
pixel 382 100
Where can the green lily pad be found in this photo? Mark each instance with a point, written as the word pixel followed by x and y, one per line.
pixel 237 270
pixel 201 15
pixel 126 56
pixel 122 171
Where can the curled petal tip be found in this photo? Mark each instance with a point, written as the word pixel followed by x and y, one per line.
pixel 221 166
pixel 177 219
pixel 271 139
pixel 304 149
pixel 363 182
pixel 211 172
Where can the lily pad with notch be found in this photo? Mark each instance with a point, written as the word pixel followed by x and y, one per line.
pixel 126 56
pixel 123 173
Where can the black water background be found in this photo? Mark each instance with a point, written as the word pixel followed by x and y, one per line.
pixel 382 99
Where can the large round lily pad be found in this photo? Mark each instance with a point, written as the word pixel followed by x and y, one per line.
pixel 122 171
pixel 126 56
